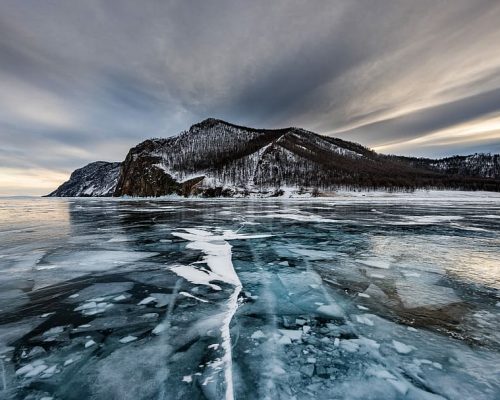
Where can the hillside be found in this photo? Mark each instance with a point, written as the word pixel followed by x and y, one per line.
pixel 215 158
pixel 96 179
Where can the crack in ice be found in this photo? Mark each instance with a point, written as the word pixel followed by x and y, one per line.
pixel 218 257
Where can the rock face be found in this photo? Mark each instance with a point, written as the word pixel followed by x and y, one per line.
pixel 216 158
pixel 96 179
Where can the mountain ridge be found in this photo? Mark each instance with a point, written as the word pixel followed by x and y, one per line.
pixel 215 157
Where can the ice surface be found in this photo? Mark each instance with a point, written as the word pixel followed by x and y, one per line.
pixel 210 299
pixel 417 294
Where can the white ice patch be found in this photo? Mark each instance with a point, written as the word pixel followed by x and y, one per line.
pixel 284 340
pixel 300 217
pixel 198 276
pixel 369 343
pixel 24 369
pixel 146 301
pixel 128 339
pixel 402 348
pixel 217 254
pixel 98 260
pixel 159 328
pixel 292 334
pixel 363 319
pixel 429 219
pixel 218 257
pixel 378 372
pixel 46 267
pixel 119 239
pixel 56 330
pixel 102 290
pixel 349 346
pixel 186 294
pixel 375 263
pixel 93 308
pixel 37 370
pixel 331 310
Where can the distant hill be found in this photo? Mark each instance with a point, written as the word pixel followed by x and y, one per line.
pixel 96 179
pixel 217 158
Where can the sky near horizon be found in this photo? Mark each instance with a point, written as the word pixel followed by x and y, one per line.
pixel 86 80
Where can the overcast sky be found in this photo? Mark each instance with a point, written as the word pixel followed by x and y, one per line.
pixel 82 81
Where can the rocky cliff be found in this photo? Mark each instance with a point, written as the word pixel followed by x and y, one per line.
pixel 96 179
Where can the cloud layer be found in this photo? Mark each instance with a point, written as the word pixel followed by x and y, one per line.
pixel 83 81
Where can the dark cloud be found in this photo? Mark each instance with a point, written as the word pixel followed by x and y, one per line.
pixel 431 119
pixel 87 80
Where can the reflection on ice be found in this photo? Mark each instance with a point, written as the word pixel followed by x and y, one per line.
pixel 349 299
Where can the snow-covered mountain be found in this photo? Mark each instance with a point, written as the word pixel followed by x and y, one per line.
pixel 216 158
pixel 483 165
pixel 96 179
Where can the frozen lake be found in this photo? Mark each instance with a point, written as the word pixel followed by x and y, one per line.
pixel 364 297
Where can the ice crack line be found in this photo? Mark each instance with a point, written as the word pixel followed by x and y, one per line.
pixel 218 257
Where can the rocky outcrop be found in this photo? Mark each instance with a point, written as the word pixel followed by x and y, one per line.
pixel 94 180
pixel 141 174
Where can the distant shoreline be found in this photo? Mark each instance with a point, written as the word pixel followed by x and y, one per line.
pixel 340 195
